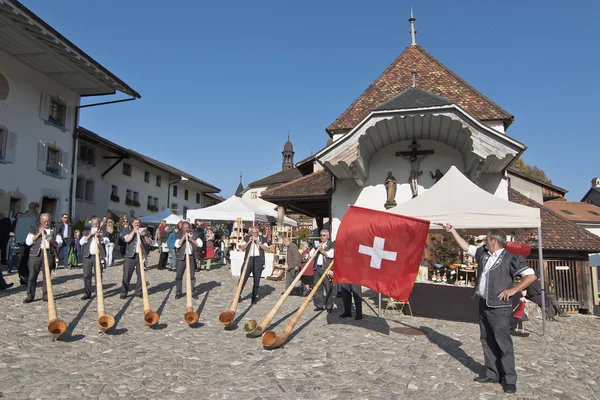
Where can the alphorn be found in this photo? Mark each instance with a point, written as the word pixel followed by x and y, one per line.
pixel 55 326
pixel 191 317
pixel 252 328
pixel 105 321
pixel 150 316
pixel 226 317
pixel 271 339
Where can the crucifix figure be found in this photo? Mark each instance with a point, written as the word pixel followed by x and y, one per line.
pixel 415 156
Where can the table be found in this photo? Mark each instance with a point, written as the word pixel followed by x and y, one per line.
pixel 237 263
pixel 441 301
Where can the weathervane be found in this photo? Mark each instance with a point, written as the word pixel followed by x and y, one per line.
pixel 413 32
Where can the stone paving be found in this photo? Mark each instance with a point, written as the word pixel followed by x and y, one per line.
pixel 326 358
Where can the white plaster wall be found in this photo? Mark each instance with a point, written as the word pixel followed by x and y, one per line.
pixel 190 203
pixel 497 125
pixel 373 195
pixel 257 201
pixel 593 228
pixel 20 113
pixel 528 189
pixel 337 136
pixel 496 184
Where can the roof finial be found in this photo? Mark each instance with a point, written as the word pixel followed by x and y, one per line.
pixel 288 136
pixel 240 177
pixel 413 32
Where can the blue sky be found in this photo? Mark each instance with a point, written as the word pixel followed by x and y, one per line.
pixel 222 83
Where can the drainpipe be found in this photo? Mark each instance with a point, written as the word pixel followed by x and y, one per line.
pixel 76 147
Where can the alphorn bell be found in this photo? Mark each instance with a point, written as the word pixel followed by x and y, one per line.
pixel 105 322
pixel 226 317
pixel 253 328
pixel 191 317
pixel 150 316
pixel 55 326
pixel 271 339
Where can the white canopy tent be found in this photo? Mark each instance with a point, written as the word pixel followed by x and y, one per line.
pixel 229 210
pixel 457 201
pixel 165 214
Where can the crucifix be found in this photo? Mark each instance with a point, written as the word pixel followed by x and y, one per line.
pixel 415 156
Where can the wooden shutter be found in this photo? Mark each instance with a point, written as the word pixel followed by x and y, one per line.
pixel 70 113
pixel 44 109
pixel 42 156
pixel 11 147
pixel 64 164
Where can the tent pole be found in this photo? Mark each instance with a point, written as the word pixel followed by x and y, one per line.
pixel 379 306
pixel 542 280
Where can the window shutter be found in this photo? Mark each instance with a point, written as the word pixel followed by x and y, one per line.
pixel 70 113
pixel 64 165
pixel 11 147
pixel 45 108
pixel 42 156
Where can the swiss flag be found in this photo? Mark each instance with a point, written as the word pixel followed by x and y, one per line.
pixel 379 250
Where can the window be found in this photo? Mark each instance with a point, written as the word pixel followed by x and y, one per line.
pixel 253 195
pixel 150 201
pixel 567 212
pixel 114 193
pixel 89 190
pixel 86 154
pixel 186 194
pixel 197 198
pixel 126 169
pixel 594 213
pixel 80 188
pixel 147 176
pixel 158 179
pixel 129 196
pixel 185 210
pixel 174 190
pixel 136 197
pixel 3 142
pixel 57 112
pixel 174 208
pixel 53 161
pixel 156 202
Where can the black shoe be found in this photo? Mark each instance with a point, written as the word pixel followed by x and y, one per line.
pixel 319 309
pixel 358 317
pixel 345 315
pixel 240 299
pixel 8 286
pixel 123 296
pixel 45 299
pixel 138 296
pixel 195 296
pixel 508 388
pixel 27 300
pixel 329 310
pixel 255 300
pixel 23 283
pixel 484 379
pixel 86 297
pixel 178 296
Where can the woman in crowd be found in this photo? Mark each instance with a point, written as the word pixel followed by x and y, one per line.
pixel 112 236
pixel 123 226
pixel 210 249
pixel 308 276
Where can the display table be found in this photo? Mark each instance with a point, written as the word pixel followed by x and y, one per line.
pixel 237 263
pixel 441 301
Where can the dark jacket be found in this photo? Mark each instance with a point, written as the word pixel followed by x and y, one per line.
pixel 326 260
pixel 131 247
pixel 293 256
pixel 59 228
pixel 34 250
pixel 501 275
pixel 180 252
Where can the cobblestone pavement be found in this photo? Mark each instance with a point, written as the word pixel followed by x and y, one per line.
pixel 326 358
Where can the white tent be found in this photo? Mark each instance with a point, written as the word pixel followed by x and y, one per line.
pixel 165 214
pixel 229 210
pixel 457 201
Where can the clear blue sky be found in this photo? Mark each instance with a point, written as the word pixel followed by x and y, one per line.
pixel 222 82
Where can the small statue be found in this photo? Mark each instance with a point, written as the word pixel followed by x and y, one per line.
pixel 438 175
pixel 433 278
pixel 444 279
pixel 390 187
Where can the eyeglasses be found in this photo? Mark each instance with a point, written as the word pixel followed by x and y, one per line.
pixel 323 235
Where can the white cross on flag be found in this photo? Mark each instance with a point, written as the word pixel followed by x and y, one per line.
pixel 380 250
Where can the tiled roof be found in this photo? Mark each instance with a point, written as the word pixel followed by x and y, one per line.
pixel 277 178
pixel 558 233
pixel 413 97
pixel 432 76
pixel 575 211
pixel 312 185
pixel 589 192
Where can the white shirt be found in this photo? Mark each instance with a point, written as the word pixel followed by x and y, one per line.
pixel 66 231
pixel 254 250
pixel 30 236
pixel 320 256
pixel 83 241
pixel 190 250
pixel 482 289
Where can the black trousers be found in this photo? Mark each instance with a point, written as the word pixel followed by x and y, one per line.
pixel 349 291
pixel 498 353
pixel 255 267
pixel 180 272
pixel 24 261
pixel 130 265
pixel 324 295
pixel 35 265
pixel 89 269
pixel 162 259
pixel 3 253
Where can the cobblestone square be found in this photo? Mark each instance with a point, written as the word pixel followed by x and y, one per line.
pixel 326 358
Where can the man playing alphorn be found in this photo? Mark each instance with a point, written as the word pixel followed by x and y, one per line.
pixel 132 259
pixel 181 249
pixel 88 246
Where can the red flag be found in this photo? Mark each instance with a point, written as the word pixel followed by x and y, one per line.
pixel 380 250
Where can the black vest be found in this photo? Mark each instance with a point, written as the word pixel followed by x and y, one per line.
pixel 86 247
pixel 131 247
pixel 35 248
pixel 180 252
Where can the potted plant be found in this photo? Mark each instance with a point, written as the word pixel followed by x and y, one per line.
pixel 114 197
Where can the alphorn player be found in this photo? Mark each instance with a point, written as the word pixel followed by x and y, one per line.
pixel 323 298
pixel 132 259
pixel 255 248
pixel 89 249
pixel 36 257
pixel 181 249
